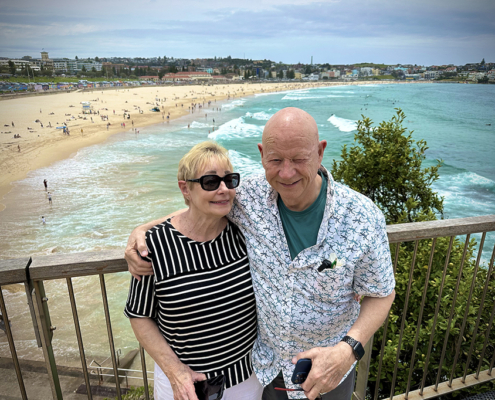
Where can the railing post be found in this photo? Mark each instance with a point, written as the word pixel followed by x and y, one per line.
pixel 10 338
pixel 145 374
pixel 46 338
pixel 363 371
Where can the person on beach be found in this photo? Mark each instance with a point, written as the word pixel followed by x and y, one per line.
pixel 18 148
pixel 49 195
pixel 43 220
pixel 45 182
pixel 313 245
pixel 196 316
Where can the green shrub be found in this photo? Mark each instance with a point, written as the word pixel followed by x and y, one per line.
pixel 385 164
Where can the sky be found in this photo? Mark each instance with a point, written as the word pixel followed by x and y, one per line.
pixel 423 32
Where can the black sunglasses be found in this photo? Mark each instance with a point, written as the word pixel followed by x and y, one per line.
pixel 212 182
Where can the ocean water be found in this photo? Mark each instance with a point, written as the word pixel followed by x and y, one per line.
pixel 102 192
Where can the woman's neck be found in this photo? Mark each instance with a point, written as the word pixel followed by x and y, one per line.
pixel 198 226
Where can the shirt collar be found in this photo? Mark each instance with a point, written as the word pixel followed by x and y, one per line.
pixel 272 197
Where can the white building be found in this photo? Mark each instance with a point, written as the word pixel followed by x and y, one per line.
pixel 366 71
pixel 18 63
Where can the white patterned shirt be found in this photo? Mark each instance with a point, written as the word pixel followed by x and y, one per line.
pixel 298 307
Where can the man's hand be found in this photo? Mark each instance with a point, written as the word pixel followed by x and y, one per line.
pixel 182 381
pixel 329 365
pixel 136 244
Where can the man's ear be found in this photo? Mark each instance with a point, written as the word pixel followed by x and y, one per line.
pixel 321 149
pixel 260 148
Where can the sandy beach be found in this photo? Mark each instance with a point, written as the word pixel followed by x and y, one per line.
pixel 35 119
pixel 41 146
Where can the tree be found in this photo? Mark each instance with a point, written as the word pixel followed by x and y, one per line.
pixel 12 67
pixel 385 165
pixel 161 73
pixel 404 192
pixel 280 74
pixel 97 59
pixel 482 62
pixel 83 69
pixel 77 58
pixel 291 74
pixel 172 69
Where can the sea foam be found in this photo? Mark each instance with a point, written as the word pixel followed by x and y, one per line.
pixel 260 116
pixel 196 124
pixel 233 104
pixel 236 128
pixel 244 164
pixel 342 124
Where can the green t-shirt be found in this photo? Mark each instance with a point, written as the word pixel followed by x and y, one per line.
pixel 301 227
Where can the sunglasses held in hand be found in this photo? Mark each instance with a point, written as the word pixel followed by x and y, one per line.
pixel 212 182
pixel 210 389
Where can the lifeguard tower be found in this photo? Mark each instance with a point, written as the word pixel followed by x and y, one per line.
pixel 87 108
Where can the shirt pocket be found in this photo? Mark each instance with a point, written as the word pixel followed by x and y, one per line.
pixel 333 284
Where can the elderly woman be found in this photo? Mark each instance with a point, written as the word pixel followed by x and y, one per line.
pixel 196 316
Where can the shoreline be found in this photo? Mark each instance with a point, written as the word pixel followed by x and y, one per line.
pixel 41 147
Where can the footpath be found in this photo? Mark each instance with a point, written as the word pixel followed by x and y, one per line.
pixel 38 386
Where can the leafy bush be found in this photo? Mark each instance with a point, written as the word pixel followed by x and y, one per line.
pixel 136 393
pixel 386 166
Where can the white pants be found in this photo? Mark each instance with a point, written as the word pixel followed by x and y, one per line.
pixel 250 389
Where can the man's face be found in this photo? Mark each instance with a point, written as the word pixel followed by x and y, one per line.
pixel 291 158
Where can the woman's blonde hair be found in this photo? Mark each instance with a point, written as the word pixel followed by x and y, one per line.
pixel 198 158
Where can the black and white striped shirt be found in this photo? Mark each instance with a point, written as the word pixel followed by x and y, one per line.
pixel 201 297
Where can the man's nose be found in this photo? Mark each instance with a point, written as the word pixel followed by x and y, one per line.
pixel 287 170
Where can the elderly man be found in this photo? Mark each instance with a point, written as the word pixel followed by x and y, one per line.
pixel 313 244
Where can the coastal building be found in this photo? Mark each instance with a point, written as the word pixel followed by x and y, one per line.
pixel 60 64
pixel 207 69
pixel 75 66
pixel 19 64
pixel 366 71
pixel 432 74
pixel 187 76
pixel 149 78
pixel 413 77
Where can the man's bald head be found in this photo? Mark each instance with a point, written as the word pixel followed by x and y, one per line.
pixel 288 122
pixel 291 154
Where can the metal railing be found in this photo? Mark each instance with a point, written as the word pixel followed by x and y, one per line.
pixel 407 243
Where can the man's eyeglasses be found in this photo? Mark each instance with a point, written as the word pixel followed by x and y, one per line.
pixel 212 182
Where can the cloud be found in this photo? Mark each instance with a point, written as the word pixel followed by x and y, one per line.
pixel 288 30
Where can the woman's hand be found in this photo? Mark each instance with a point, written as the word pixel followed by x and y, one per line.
pixel 182 380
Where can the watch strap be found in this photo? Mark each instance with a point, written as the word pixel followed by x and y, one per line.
pixel 357 347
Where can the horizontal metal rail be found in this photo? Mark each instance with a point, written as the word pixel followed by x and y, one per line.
pixel 95 263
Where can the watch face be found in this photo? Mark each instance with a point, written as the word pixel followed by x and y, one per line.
pixel 358 351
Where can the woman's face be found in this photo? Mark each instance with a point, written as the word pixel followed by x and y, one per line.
pixel 216 202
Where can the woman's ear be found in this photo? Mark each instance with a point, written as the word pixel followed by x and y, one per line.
pixel 184 189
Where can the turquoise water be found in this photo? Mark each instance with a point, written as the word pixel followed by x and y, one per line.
pixel 104 191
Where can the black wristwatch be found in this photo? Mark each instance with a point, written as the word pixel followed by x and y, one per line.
pixel 357 347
